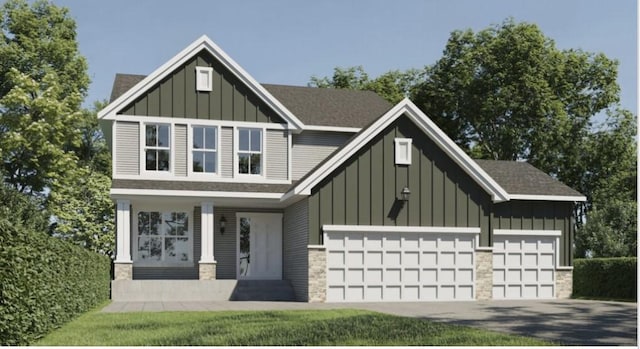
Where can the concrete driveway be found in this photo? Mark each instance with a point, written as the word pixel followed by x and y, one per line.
pixel 571 322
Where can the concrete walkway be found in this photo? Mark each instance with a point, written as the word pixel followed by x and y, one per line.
pixel 573 322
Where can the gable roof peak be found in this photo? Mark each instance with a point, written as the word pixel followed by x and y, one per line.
pixel 203 42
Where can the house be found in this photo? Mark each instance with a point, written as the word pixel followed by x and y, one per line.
pixel 222 183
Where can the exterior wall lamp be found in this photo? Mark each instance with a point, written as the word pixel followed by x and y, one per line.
pixel 223 224
pixel 405 194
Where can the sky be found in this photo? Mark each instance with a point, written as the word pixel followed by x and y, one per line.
pixel 289 41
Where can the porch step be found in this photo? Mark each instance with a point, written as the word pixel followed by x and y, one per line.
pixel 263 290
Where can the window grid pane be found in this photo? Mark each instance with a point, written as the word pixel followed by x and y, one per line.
pixel 157 151
pixel 169 243
pixel 250 151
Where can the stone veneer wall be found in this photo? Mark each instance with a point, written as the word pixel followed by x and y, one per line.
pixel 122 271
pixel 207 271
pixel 484 274
pixel 564 283
pixel 317 275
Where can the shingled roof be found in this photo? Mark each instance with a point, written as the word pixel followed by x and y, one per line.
pixel 312 105
pixel 521 178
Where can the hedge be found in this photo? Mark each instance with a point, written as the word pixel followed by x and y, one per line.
pixel 45 282
pixel 614 278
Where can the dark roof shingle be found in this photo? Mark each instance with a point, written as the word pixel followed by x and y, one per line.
pixel 522 178
pixel 312 105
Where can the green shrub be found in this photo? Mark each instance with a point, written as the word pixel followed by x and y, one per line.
pixel 614 278
pixel 45 282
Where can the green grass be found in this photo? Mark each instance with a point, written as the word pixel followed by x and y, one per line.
pixel 304 327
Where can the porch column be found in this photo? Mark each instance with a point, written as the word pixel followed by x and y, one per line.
pixel 207 265
pixel 123 266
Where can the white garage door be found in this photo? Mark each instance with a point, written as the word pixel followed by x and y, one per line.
pixel 524 264
pixel 400 264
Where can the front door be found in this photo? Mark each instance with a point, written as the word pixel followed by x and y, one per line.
pixel 259 249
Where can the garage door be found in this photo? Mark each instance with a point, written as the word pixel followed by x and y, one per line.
pixel 524 264
pixel 372 264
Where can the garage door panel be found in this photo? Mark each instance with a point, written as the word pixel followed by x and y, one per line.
pixel 355 258
pixel 524 266
pixel 374 258
pixel 335 258
pixel 411 259
pixel 400 266
pixel 354 241
pixel 392 258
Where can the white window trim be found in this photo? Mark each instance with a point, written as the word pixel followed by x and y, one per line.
pixel 209 73
pixel 150 174
pixel 402 159
pixel 190 173
pixel 135 234
pixel 263 155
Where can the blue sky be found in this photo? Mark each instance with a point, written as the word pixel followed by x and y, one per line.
pixel 288 41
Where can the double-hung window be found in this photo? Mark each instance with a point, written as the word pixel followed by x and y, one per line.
pixel 205 149
pixel 157 147
pixel 250 151
pixel 163 238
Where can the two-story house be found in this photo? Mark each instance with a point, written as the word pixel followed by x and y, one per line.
pixel 335 194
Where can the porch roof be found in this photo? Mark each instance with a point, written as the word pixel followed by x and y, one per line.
pixel 200 186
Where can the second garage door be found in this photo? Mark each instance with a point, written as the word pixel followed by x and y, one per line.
pixel 400 264
pixel 524 264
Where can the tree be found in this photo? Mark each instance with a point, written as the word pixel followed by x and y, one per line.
pixel 610 231
pixel 393 85
pixel 43 81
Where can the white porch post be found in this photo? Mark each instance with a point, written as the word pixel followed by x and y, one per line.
pixel 207 261
pixel 123 268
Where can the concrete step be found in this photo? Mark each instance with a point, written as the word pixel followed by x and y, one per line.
pixel 263 290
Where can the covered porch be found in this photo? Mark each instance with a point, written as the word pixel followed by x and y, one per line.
pixel 198 249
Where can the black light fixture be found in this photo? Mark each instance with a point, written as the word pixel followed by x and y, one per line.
pixel 404 194
pixel 223 224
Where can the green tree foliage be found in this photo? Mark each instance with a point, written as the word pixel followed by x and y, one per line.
pixel 43 81
pixel 84 211
pixel 392 86
pixel 507 93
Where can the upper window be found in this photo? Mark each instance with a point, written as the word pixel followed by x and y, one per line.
pixel 157 147
pixel 204 78
pixel 205 146
pixel 250 151
pixel 403 151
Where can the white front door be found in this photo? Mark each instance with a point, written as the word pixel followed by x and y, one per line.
pixel 259 246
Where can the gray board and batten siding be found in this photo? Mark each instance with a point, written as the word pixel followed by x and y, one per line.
pixel 364 190
pixel 176 96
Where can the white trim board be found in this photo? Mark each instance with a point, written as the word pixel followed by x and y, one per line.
pixel 401 229
pixel 196 194
pixel 523 232
pixel 405 107
pixel 547 197
pixel 203 42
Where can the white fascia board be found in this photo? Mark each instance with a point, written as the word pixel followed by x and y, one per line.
pixel 201 43
pixel 498 194
pixel 547 197
pixel 332 128
pixel 195 193
pixel 523 232
pixel 400 229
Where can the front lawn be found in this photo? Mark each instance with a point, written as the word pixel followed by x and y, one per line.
pixel 303 327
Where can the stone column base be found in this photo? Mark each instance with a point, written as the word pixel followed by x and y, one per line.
pixel 207 271
pixel 484 274
pixel 122 271
pixel 317 274
pixel 564 282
